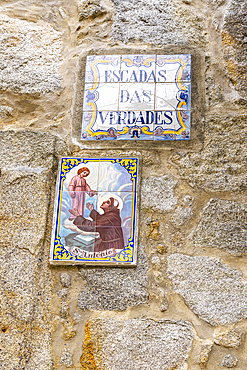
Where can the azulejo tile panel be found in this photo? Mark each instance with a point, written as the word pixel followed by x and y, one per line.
pixel 136 97
pixel 103 68
pixel 95 218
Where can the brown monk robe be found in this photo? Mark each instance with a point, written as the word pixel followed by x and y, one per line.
pixel 108 225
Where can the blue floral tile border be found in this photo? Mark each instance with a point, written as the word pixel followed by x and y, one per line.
pixel 95 220
pixel 137 97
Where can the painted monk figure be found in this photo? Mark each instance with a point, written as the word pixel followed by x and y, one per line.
pixel 108 225
pixel 78 188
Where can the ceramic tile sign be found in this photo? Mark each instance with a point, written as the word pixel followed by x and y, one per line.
pixel 95 218
pixel 137 97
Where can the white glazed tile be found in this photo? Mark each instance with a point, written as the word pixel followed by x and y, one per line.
pixel 103 68
pixel 166 96
pixel 172 96
pixel 172 68
pixel 104 97
pixel 138 68
pixel 136 96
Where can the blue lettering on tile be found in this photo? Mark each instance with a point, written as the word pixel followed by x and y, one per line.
pixel 162 75
pixel 145 94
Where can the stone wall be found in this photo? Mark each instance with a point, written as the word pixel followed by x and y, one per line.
pixel 184 306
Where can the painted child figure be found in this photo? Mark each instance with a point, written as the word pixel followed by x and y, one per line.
pixel 78 188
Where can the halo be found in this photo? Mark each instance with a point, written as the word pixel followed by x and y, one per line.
pixel 105 196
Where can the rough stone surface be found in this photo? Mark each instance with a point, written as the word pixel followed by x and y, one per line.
pixel 214 92
pixel 30 151
pixel 234 44
pixel 24 308
pixel 220 166
pixel 65 279
pixel 62 293
pixel 145 21
pixel 206 348
pixel 181 215
pixel 5 111
pixel 215 3
pixel 42 320
pixel 229 361
pixel 30 56
pixel 18 271
pixel 223 225
pixel 214 291
pixel 113 344
pixel 66 358
pixel 25 188
pixel 158 193
pixel 90 8
pixel 158 22
pixel 64 309
pixel 230 339
pixel 115 288
pixel 25 300
pixel 21 210
pixel 164 304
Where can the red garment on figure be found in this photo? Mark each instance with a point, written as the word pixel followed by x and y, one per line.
pixel 78 187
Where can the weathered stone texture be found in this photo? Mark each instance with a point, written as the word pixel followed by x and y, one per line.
pixel 234 44
pixel 113 344
pixel 158 193
pixel 25 188
pixel 158 22
pixel 223 225
pixel 221 165
pixel 5 111
pixel 214 92
pixel 40 42
pixel 206 348
pixel 147 21
pixel 30 56
pixel 214 291
pixel 181 215
pixel 229 361
pixel 24 305
pixel 25 300
pixel 62 293
pixel 30 151
pixel 183 211
pixel 65 279
pixel 66 358
pixel 115 288
pixel 24 200
pixel 90 8
pixel 229 339
pixel 215 2
pixel 18 282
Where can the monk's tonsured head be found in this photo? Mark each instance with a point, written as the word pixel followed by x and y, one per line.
pixel 83 172
pixel 108 204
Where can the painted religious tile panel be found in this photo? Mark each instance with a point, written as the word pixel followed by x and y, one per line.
pixel 95 218
pixel 137 97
